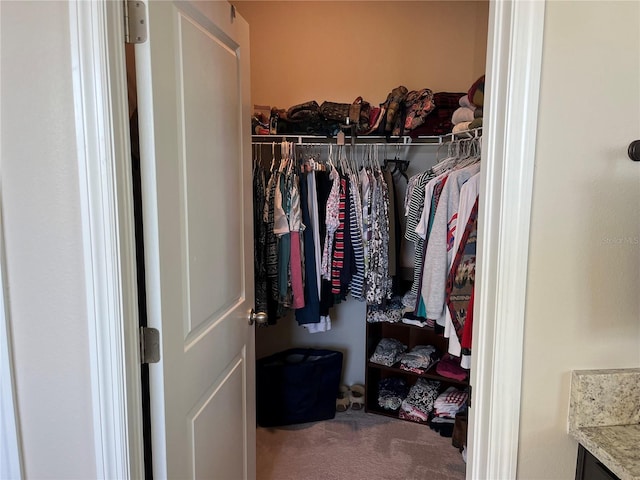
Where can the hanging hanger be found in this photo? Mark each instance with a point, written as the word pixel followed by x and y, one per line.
pixel 254 155
pixel 468 157
pixel 370 151
pixel 283 157
pixel 399 165
pixel 353 168
pixel 257 159
pixel 273 157
pixel 330 159
pixel 376 167
pixel 449 161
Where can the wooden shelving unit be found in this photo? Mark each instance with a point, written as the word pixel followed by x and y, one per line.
pixel 411 336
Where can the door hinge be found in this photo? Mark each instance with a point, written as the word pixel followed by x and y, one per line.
pixel 135 21
pixel 149 345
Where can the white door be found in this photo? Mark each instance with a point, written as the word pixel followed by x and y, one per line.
pixel 194 111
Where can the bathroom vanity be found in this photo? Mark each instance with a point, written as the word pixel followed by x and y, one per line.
pixel 604 417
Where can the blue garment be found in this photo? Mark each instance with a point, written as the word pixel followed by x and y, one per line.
pixel 310 313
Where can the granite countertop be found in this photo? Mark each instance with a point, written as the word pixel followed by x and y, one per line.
pixel 604 417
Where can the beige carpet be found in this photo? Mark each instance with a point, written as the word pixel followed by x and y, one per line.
pixel 356 446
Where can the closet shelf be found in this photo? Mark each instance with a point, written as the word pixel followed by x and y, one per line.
pixel 429 374
pixel 369 139
pixel 386 413
pixel 411 336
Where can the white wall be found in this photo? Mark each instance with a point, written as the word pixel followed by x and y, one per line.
pixel 347 336
pixel 583 295
pixel 339 50
pixel 40 202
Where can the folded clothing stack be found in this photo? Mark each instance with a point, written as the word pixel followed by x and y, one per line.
pixel 420 401
pixel 464 115
pixel 419 359
pixel 449 366
pixel 391 313
pixel 450 402
pixel 411 318
pixel 445 408
pixel 388 352
pixel 391 392
pixel 469 115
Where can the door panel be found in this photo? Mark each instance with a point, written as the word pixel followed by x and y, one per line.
pixel 213 452
pixel 207 124
pixel 194 111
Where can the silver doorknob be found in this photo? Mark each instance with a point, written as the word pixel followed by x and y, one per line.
pixel 259 318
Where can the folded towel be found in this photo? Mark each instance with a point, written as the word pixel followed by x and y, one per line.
pixel 465 102
pixel 476 123
pixel 477 113
pixel 462 114
pixel 461 127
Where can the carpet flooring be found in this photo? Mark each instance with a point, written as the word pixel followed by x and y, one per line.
pixel 356 446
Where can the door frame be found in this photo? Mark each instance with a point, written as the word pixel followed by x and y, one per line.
pixel 106 197
pixel 514 54
pixel 514 67
pixel 11 465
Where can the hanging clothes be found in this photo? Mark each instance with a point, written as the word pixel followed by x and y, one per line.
pixel 260 234
pixel 444 236
pixel 460 284
pixel 310 312
pixel 439 251
pixel 323 235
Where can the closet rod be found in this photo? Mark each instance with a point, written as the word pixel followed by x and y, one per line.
pixel 426 141
pixel 345 145
pixel 315 139
pixel 380 144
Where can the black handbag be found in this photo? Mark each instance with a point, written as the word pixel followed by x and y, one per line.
pixel 298 385
pixel 336 112
pixel 357 113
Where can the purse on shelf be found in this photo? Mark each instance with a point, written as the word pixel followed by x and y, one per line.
pixel 334 111
pixel 357 112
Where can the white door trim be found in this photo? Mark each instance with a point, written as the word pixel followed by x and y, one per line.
pixel 11 465
pixel 104 161
pixel 513 76
pixel 514 60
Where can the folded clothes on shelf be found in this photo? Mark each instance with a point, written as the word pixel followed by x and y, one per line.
pixel 450 402
pixel 419 359
pixel 391 392
pixel 388 352
pixel 449 366
pixel 420 400
pixel 391 312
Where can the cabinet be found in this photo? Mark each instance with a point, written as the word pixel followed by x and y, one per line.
pixel 411 336
pixel 589 467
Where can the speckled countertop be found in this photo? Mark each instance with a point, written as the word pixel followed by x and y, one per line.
pixel 604 417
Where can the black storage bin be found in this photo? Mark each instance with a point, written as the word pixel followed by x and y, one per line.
pixel 298 385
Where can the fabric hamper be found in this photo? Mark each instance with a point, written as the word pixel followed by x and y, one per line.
pixel 298 385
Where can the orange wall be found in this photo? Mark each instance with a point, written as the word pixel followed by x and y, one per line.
pixel 338 50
